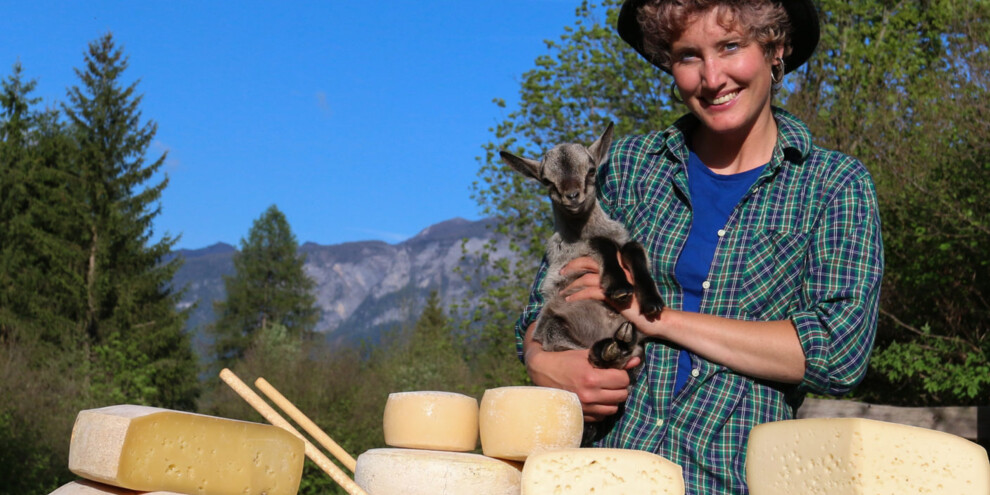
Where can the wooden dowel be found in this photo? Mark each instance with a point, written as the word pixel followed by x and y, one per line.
pixel 273 417
pixel 307 424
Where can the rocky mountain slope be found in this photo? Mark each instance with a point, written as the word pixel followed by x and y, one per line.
pixel 362 288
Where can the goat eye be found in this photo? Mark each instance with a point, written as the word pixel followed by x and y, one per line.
pixel 591 174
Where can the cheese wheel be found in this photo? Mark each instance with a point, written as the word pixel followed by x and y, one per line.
pixel 853 456
pixel 602 472
pixel 147 449
pixel 86 487
pixel 431 420
pixel 516 422
pixel 434 472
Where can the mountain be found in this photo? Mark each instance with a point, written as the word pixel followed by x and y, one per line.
pixel 362 288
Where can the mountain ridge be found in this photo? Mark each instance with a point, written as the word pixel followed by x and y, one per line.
pixel 362 287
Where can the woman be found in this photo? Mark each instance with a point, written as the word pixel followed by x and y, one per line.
pixel 765 247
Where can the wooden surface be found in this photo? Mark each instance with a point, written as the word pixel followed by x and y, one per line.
pixel 972 423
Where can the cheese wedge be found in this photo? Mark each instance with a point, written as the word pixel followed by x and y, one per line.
pixel 434 472
pixel 516 422
pixel 601 472
pixel 852 456
pixel 148 449
pixel 431 420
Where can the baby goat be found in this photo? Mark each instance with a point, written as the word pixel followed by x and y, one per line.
pixel 583 229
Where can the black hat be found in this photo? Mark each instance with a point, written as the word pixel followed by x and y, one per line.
pixel 804 30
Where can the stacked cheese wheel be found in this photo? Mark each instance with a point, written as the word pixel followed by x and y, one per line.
pixel 434 432
pixel 127 449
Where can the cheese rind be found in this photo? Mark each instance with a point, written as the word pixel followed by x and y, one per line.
pixel 86 487
pixel 431 420
pixel 434 472
pixel 148 449
pixel 516 422
pixel 853 456
pixel 601 472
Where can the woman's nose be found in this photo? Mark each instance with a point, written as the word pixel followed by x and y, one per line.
pixel 712 74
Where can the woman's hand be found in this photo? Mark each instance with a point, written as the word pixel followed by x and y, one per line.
pixel 601 391
pixel 587 286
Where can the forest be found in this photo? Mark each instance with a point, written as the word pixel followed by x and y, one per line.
pixel 88 316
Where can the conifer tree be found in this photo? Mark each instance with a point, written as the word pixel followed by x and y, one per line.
pixel 269 287
pixel 137 347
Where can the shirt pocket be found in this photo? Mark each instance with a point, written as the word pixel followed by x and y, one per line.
pixel 774 273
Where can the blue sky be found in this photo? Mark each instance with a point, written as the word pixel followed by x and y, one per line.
pixel 360 120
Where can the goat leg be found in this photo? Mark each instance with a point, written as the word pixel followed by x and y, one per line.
pixel 650 302
pixel 614 282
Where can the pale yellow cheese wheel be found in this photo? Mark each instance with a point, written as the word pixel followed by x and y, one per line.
pixel 600 472
pixel 516 422
pixel 151 449
pixel 86 487
pixel 853 456
pixel 434 472
pixel 431 420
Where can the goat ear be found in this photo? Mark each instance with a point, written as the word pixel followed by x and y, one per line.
pixel 599 149
pixel 528 167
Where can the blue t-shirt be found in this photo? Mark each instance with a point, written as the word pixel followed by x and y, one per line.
pixel 713 197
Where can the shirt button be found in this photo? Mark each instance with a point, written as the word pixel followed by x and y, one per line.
pixel 695 372
pixel 660 422
pixel 721 232
pixel 706 284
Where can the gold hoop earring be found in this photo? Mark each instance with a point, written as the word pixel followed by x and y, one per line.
pixel 674 93
pixel 780 66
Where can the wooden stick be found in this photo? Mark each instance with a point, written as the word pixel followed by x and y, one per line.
pixel 273 417
pixel 307 424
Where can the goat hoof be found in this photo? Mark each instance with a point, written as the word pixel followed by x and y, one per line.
pixel 621 294
pixel 608 353
pixel 650 306
pixel 626 333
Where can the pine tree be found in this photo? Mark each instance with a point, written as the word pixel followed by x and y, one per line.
pixel 138 349
pixel 269 287
pixel 16 121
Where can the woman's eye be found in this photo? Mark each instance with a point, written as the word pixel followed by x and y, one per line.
pixel 732 46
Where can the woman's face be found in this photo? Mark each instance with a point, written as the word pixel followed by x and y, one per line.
pixel 723 78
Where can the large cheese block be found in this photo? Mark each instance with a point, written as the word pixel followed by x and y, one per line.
pixel 147 449
pixel 853 456
pixel 516 422
pixel 86 487
pixel 431 420
pixel 434 472
pixel 601 472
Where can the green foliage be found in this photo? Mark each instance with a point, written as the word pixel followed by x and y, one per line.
pixel 86 315
pixel 269 287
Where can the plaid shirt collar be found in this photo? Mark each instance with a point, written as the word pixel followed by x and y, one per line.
pixel 793 143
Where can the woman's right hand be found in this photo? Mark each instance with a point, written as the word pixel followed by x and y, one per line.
pixel 601 391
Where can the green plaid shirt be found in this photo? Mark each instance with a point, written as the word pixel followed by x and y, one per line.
pixel 803 244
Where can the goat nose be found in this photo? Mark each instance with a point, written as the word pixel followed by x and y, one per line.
pixel 572 196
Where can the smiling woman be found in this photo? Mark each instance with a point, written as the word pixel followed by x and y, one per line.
pixel 765 247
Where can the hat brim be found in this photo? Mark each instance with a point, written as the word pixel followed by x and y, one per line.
pixel 804 34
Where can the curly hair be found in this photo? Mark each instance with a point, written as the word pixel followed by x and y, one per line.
pixel 663 21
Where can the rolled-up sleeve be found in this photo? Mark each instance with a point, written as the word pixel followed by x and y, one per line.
pixel 841 291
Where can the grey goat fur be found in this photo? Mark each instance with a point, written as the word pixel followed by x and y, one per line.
pixel 583 229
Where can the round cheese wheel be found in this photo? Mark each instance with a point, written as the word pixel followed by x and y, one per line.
pixel 601 472
pixel 431 420
pixel 518 421
pixel 434 472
